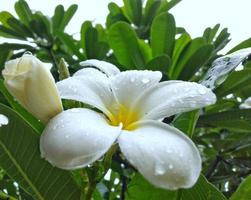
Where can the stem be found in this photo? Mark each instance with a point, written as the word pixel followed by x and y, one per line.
pixel 90 190
pixel 4 196
pixel 213 166
pixel 123 187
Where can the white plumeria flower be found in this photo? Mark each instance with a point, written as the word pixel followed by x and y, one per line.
pixel 132 105
pixel 246 104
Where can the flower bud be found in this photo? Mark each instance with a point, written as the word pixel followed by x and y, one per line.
pixel 32 84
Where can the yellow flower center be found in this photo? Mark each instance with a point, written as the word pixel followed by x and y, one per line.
pixel 124 116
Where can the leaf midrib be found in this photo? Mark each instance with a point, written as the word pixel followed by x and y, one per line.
pixel 21 171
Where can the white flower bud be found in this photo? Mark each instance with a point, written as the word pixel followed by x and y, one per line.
pixel 32 84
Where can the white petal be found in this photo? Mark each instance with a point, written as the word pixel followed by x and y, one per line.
pixel 93 90
pixel 166 157
pixel 172 97
pixel 128 85
pixel 108 68
pixel 90 72
pixel 76 138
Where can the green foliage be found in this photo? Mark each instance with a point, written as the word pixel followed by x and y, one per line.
pixel 202 190
pixel 124 42
pixel 244 190
pixel 20 158
pixel 136 36
pixel 140 189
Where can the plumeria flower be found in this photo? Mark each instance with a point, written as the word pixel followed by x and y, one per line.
pixel 131 106
pixel 246 104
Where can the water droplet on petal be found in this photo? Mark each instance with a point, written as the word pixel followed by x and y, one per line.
pixel 27 53
pixel 159 169
pixel 75 110
pixel 145 80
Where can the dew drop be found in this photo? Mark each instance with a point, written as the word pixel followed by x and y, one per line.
pixel 145 80
pixel 132 79
pixel 74 110
pixel 3 120
pixel 159 169
pixel 28 53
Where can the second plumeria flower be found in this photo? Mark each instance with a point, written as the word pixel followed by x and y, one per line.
pixel 132 105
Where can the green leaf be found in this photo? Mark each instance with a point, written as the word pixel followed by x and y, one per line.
pixel 238 120
pixel 242 45
pixel 20 158
pixel 85 26
pixel 4 17
pixel 180 45
pixel 150 11
pixel 115 15
pixel 222 66
pixel 40 26
pixel 196 61
pixel 133 10
pixel 210 33
pixel 123 40
pixel 192 58
pixel 235 82
pixel 202 190
pixel 91 38
pixel 186 122
pixel 159 63
pixel 222 40
pixel 9 33
pixel 167 5
pixel 19 27
pixel 101 49
pixel 67 17
pixel 71 44
pixel 145 49
pixel 163 34
pixel 24 12
pixel 38 126
pixel 140 189
pixel 244 190
pixel 57 17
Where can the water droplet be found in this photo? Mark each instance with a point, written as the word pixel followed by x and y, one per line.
pixel 74 110
pixel 28 53
pixel 159 169
pixel 74 90
pixel 145 80
pixel 3 120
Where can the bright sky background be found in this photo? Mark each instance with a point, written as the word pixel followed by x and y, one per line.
pixel 194 15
